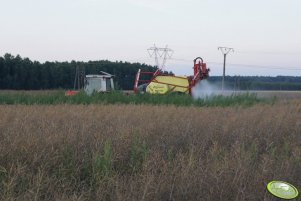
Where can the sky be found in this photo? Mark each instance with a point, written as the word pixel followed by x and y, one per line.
pixel 265 34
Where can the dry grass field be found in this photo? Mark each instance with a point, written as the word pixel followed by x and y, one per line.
pixel 143 152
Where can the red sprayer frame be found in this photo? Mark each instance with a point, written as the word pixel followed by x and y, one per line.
pixel 200 72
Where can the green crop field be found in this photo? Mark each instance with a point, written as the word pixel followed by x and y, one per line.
pixel 58 97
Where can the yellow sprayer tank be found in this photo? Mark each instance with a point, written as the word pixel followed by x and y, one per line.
pixel 163 84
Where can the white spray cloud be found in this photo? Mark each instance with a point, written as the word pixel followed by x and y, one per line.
pixel 204 89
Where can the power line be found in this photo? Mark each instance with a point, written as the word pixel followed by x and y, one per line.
pixel 268 52
pixel 290 68
pixel 259 66
pixel 176 59
pixel 244 65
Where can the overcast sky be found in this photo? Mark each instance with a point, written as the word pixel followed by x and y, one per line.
pixel 266 34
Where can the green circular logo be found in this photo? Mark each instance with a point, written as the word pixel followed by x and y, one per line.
pixel 282 190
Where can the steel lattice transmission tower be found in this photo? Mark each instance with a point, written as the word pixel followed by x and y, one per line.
pixel 225 51
pixel 157 52
pixel 79 78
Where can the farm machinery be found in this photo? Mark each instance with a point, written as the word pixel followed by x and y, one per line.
pixel 99 83
pixel 160 83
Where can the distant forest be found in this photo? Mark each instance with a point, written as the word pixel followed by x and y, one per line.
pixel 290 83
pixel 23 74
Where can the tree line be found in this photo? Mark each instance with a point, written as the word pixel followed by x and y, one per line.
pixel 291 83
pixel 23 74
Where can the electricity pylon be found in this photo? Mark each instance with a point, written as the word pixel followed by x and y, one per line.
pixel 79 77
pixel 225 51
pixel 157 52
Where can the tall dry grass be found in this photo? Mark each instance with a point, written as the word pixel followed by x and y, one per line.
pixel 139 152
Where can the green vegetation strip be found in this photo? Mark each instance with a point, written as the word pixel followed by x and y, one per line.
pixel 121 98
